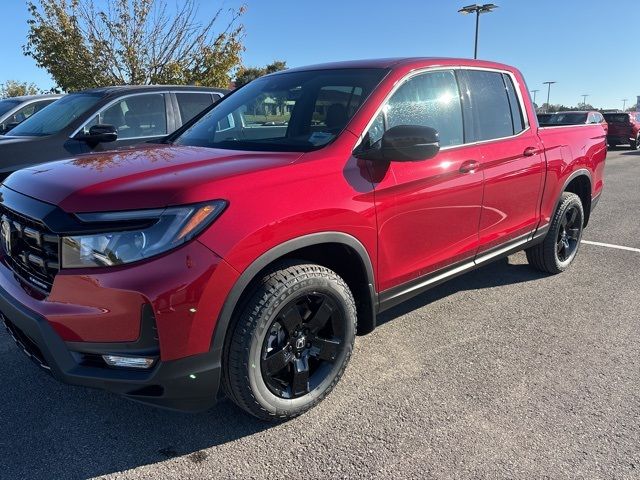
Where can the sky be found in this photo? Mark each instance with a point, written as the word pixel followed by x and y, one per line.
pixel 587 46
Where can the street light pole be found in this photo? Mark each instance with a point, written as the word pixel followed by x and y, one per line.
pixel 584 99
pixel 534 95
pixel 477 9
pixel 548 93
pixel 624 103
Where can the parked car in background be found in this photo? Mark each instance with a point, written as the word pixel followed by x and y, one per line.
pixel 248 254
pixel 15 110
pixel 624 129
pixel 101 119
pixel 573 118
pixel 543 117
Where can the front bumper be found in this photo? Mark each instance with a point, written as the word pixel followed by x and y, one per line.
pixel 188 384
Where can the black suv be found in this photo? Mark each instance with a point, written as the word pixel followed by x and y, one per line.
pixel 101 119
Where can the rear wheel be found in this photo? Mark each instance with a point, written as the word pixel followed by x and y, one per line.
pixel 291 343
pixel 634 144
pixel 559 248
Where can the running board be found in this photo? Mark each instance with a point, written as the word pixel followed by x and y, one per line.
pixel 395 296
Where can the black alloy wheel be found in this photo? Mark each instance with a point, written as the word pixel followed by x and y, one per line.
pixel 569 233
pixel 556 252
pixel 302 345
pixel 291 341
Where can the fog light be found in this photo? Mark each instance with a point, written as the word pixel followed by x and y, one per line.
pixel 128 362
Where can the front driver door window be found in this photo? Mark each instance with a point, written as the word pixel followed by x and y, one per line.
pixel 136 117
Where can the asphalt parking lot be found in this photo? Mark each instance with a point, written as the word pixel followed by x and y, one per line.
pixel 504 372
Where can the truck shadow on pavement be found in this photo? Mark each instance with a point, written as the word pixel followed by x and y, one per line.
pixel 49 430
pixel 495 274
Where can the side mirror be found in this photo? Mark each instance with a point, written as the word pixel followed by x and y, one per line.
pixel 410 143
pixel 101 133
pixel 405 143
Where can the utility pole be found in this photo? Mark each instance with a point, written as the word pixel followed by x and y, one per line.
pixel 548 93
pixel 624 103
pixel 477 9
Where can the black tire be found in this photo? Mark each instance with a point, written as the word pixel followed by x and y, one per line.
pixel 277 337
pixel 560 246
pixel 635 144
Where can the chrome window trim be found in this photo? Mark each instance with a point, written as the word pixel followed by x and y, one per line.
pixel 420 71
pixel 115 100
pixel 566 126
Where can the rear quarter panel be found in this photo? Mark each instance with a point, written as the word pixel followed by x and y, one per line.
pixel 569 149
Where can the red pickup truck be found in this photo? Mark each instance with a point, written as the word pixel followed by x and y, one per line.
pixel 244 253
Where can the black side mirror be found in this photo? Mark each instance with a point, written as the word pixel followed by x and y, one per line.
pixel 410 143
pixel 101 133
pixel 405 143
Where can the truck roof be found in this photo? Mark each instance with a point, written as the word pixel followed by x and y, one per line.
pixel 399 62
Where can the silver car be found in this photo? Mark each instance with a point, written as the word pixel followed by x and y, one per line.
pixel 15 110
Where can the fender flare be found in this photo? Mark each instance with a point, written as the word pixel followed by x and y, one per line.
pixel 226 314
pixel 578 173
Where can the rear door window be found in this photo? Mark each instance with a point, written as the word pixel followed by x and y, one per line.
pixel 516 108
pixel 192 103
pixel 490 106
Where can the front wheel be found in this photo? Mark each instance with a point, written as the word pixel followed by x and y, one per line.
pixel 634 144
pixel 291 343
pixel 559 248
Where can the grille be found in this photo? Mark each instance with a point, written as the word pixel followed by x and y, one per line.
pixel 30 249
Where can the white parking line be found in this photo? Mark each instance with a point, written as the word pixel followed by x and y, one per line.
pixel 609 245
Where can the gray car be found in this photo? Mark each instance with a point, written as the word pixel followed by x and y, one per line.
pixel 14 110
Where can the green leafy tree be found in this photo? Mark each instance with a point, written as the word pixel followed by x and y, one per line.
pixel 132 42
pixel 248 74
pixel 14 88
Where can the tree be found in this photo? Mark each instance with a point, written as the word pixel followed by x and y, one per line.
pixel 132 42
pixel 248 74
pixel 14 88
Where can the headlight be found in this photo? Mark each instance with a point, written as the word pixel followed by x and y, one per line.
pixel 143 234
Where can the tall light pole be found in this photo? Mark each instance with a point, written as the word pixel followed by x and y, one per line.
pixel 534 95
pixel 584 98
pixel 548 93
pixel 477 9
pixel 624 103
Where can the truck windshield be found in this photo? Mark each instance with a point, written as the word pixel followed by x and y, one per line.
pixel 6 105
pixel 294 111
pixel 57 116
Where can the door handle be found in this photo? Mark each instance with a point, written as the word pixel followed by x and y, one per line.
pixel 530 151
pixel 469 166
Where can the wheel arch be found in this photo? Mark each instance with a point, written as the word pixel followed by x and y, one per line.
pixel 579 182
pixel 310 248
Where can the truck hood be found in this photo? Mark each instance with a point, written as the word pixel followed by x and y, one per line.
pixel 140 177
